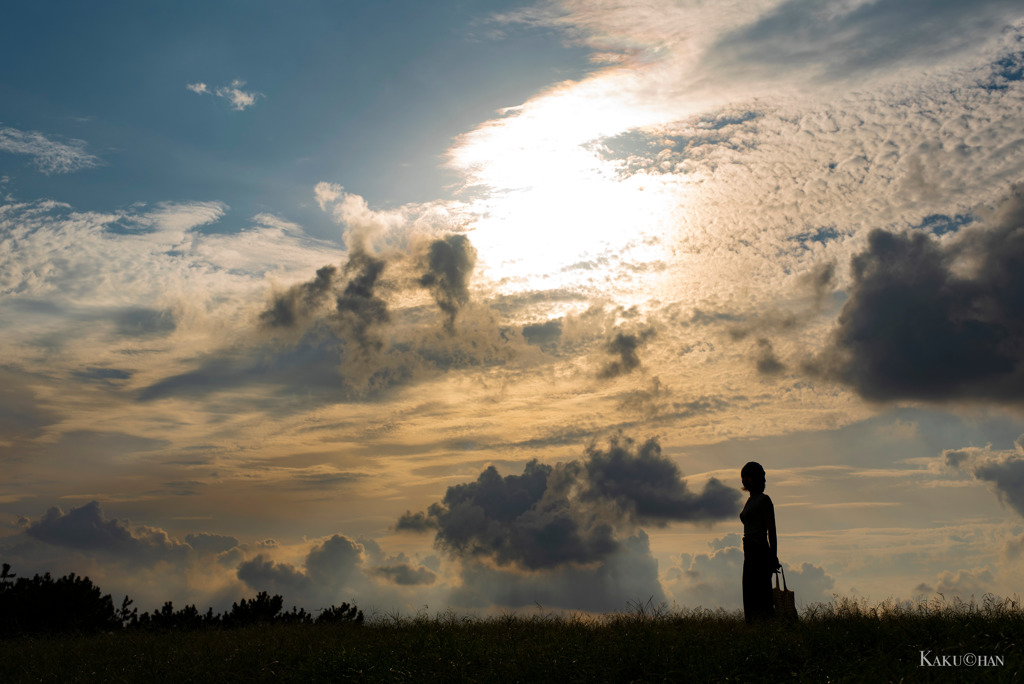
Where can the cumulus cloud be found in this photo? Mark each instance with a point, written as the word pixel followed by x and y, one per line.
pixel 49 156
pixel 263 574
pixel 568 514
pixel 1002 470
pixel 936 319
pixel 330 569
pixel 337 569
pixel 398 241
pixel 206 543
pixel 713 580
pixel 360 328
pixel 626 578
pixel 85 529
pixel 964 584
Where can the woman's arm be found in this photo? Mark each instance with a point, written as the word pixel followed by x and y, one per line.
pixel 773 537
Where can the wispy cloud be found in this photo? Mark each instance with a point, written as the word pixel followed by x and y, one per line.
pixel 49 156
pixel 240 99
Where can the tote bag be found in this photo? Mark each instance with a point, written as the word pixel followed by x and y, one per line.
pixel 785 599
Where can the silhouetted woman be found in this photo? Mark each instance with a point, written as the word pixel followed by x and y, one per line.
pixel 760 546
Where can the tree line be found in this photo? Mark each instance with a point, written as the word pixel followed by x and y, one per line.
pixel 44 604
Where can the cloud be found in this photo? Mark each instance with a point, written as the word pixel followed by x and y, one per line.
pixel 1007 476
pixel 936 319
pixel 85 529
pixel 263 574
pixel 767 362
pixel 334 561
pixel 240 99
pixel 359 310
pixel 545 335
pixel 975 582
pixel 839 40
pixel 405 574
pixel 416 522
pixel 713 580
pixel 648 488
pixel 342 569
pixel 568 514
pixel 49 156
pixel 626 578
pixel 1003 470
pixel 331 569
pixel 300 301
pixel 448 264
pixel 206 543
pixel 625 346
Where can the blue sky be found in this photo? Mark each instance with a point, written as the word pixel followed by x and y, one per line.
pixel 366 95
pixel 393 284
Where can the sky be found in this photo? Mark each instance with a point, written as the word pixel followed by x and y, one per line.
pixel 483 306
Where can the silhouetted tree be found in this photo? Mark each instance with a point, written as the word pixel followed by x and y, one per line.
pixel 340 614
pixel 263 608
pixel 45 604
pixel 73 603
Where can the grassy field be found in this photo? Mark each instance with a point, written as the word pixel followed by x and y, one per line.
pixel 838 642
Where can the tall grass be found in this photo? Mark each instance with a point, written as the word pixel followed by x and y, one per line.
pixel 842 641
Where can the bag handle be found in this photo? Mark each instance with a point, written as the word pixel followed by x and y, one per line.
pixel 781 570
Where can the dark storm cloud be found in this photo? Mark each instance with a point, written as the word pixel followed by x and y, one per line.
pixel 85 529
pixel 449 264
pixel 649 488
pixel 935 320
pixel 416 522
pixel 625 346
pixel 567 514
pixel 1007 475
pixel 403 573
pixel 512 521
pixel 299 301
pixel 1003 470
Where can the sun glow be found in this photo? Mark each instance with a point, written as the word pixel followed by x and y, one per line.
pixel 556 213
